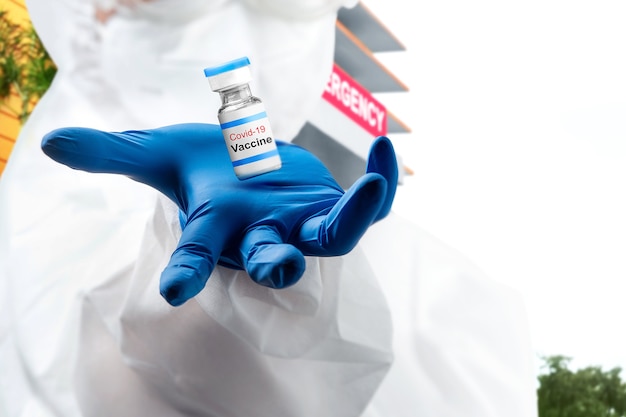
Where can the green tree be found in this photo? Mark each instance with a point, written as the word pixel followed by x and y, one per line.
pixel 25 66
pixel 586 392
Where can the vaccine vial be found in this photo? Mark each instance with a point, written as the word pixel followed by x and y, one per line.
pixel 244 122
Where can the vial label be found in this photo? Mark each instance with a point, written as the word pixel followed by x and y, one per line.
pixel 249 140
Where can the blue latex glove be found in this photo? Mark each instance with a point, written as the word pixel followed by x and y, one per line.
pixel 264 224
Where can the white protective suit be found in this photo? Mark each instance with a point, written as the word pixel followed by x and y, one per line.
pixel 83 329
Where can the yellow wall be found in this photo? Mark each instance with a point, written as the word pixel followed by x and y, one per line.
pixel 9 123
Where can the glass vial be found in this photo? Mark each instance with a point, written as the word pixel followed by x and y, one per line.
pixel 245 126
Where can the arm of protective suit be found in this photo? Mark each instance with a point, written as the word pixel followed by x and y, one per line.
pixel 265 224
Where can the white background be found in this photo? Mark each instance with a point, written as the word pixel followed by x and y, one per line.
pixel 518 143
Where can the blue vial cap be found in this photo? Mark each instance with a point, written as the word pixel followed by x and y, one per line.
pixel 228 66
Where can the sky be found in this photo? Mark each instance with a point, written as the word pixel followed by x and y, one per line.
pixel 518 147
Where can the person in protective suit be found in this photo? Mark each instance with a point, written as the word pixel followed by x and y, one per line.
pixel 148 281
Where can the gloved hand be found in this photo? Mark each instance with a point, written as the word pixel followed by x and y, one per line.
pixel 265 224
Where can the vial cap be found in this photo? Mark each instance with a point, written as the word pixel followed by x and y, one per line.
pixel 229 74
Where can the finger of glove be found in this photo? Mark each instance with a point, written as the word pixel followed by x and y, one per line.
pixel 382 160
pixel 268 260
pixel 339 231
pixel 131 153
pixel 193 261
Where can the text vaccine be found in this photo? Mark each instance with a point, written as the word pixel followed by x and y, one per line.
pixel 246 128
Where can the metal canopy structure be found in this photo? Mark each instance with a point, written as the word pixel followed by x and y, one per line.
pixel 360 21
pixel 353 56
pixel 337 134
